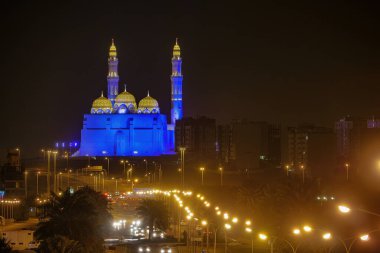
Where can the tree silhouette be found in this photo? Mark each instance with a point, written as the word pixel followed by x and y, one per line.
pixel 154 214
pixel 82 216
pixel 61 244
pixel 4 246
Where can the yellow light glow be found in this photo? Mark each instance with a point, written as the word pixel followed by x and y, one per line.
pixel 235 220
pixel 296 231
pixel 248 230
pixel 326 236
pixel 344 209
pixel 248 222
pixel 227 226
pixel 263 237
pixel 364 237
pixel 307 228
pixel 226 216
pixel 204 223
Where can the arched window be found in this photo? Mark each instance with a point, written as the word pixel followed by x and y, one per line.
pixel 122 109
pixel 99 111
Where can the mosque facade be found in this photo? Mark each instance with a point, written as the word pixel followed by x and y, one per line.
pixel 119 126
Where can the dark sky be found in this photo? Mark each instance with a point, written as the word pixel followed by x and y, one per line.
pixel 280 61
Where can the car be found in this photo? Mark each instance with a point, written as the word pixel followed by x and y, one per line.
pixel 166 249
pixel 144 249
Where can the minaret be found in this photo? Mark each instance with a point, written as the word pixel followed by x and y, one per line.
pixel 113 77
pixel 176 79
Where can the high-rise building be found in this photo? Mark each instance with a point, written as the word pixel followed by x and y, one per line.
pixel 118 126
pixel 358 142
pixel 311 148
pixel 249 145
pixel 198 135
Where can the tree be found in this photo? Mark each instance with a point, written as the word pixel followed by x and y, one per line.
pixel 154 214
pixel 4 246
pixel 61 244
pixel 82 216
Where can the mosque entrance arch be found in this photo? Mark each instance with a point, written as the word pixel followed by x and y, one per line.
pixel 120 144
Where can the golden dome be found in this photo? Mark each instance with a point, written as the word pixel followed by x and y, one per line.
pixel 176 49
pixel 113 50
pixel 101 103
pixel 127 99
pixel 148 105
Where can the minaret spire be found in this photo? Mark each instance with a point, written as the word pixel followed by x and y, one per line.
pixel 113 76
pixel 176 81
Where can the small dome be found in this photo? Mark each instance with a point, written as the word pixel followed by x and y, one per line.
pixel 148 105
pixel 101 105
pixel 125 100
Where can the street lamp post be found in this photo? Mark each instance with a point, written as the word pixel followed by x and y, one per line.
pixel 226 227
pixel 26 184
pixel 202 169
pixel 287 170
pixel 146 167
pixel 221 176
pixel 38 173
pixel 302 167
pixel 123 162
pixel 249 230
pixel 108 165
pixel 48 173
pixel 19 158
pixel 182 153
pixel 55 170
pixel 347 165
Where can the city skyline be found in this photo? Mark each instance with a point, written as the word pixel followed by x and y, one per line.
pixel 257 61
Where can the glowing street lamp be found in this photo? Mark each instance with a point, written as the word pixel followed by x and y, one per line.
pixel 302 167
pixel 248 223
pixel 221 176
pixel 347 166
pixel 235 220
pixel 226 227
pixel 263 237
pixel 364 237
pixel 296 231
pixel 344 209
pixel 202 169
pixel 327 236
pixel 249 231
pixel 307 229
pixel 226 216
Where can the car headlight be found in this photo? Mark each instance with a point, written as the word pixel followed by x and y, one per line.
pixel 169 250
pixel 162 251
pixel 148 249
pixel 140 249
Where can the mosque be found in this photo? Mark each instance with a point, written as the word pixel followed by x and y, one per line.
pixel 118 126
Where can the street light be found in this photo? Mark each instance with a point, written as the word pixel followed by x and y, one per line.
pixel 124 162
pixel 347 165
pixel 221 176
pixel 182 153
pixel 108 165
pixel 249 230
pixel 205 224
pixel 296 231
pixel 26 184
pixel 302 167
pixel 55 170
pixel 226 227
pixel 307 228
pixel 287 169
pixel 344 209
pixel 202 171
pixel 327 236
pixel 38 173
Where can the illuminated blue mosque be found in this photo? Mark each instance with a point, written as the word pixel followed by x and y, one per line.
pixel 118 126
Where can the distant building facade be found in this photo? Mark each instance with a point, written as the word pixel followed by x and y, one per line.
pixel 311 148
pixel 11 175
pixel 198 136
pixel 249 145
pixel 358 142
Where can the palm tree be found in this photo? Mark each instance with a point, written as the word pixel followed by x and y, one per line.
pixel 82 216
pixel 61 244
pixel 4 246
pixel 154 213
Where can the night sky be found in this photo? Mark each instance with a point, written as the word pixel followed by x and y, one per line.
pixel 280 61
